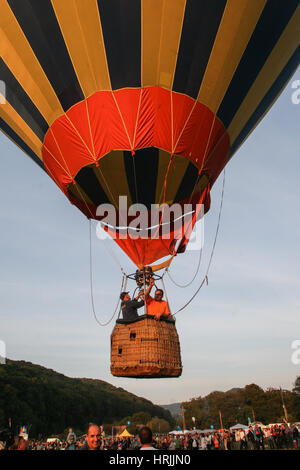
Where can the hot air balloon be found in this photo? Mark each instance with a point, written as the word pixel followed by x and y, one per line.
pixel 144 99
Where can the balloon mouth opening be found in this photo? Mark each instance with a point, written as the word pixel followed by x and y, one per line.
pixel 115 181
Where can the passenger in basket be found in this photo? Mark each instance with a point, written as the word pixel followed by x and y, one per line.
pixel 157 306
pixel 129 307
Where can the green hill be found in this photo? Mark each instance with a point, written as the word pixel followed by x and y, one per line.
pixel 50 402
pixel 239 404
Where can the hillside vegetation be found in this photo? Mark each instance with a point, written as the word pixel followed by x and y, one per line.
pixel 239 404
pixel 50 402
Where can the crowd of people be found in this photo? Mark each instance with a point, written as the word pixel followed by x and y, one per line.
pixel 278 436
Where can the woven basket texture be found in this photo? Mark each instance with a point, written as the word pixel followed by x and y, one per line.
pixel 145 348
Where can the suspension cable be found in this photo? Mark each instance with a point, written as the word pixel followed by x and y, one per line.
pixel 110 252
pixel 124 278
pixel 182 286
pixel 212 252
pixel 123 289
pixel 164 288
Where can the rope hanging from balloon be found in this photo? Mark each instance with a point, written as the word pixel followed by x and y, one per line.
pixel 204 161
pixel 124 275
pixel 183 286
pixel 205 279
pixel 123 284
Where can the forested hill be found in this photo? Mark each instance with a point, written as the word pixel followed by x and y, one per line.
pixel 50 402
pixel 240 404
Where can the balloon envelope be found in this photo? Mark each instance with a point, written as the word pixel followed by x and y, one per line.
pixel 147 99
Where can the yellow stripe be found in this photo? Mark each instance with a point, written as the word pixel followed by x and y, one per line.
pixel 236 27
pixel 176 173
pixel 20 59
pixel 161 30
pixel 112 177
pixel 276 62
pixel 14 120
pixel 80 25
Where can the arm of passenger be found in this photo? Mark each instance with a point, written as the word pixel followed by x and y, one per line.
pixel 147 293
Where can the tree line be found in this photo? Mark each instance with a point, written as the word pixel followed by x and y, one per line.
pixel 239 405
pixel 50 402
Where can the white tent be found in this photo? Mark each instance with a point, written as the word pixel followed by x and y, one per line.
pixel 177 433
pixel 238 426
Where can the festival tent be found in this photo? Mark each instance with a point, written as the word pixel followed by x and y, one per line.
pixel 238 426
pixel 125 433
pixel 176 433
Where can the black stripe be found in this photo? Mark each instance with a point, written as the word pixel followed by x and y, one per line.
pixel 275 89
pixel 269 28
pixel 141 171
pixel 200 26
pixel 187 184
pixel 22 104
pixel 14 137
pixel 88 181
pixel 121 26
pixel 39 24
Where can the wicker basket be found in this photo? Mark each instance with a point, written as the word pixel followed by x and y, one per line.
pixel 145 348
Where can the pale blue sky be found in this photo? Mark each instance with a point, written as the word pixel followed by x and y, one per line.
pixel 240 327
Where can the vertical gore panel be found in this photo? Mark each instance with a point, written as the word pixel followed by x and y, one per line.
pixel 121 26
pixel 39 24
pixel 187 184
pixel 268 99
pixel 200 26
pixel 21 102
pixel 88 181
pixel 269 28
pixel 141 171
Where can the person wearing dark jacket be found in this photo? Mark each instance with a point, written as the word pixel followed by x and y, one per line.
pixel 129 306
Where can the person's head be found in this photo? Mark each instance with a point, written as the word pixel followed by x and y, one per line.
pixel 145 435
pixel 124 296
pixel 158 294
pixel 93 436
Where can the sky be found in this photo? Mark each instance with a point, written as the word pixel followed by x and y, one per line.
pixel 240 327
